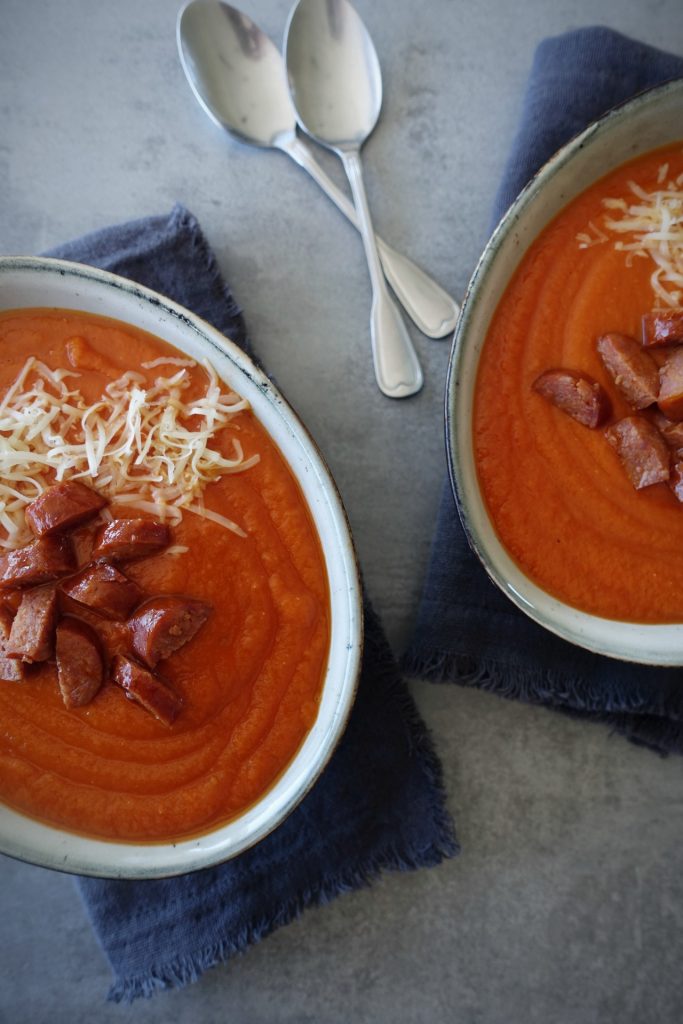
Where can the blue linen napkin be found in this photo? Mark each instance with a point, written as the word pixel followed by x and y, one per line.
pixel 467 631
pixel 379 803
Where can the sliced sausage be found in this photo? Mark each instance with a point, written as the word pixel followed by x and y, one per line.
pixel 164 624
pixel 126 539
pixel 641 449
pixel 146 689
pixel 62 507
pixel 33 630
pixel 670 399
pixel 11 670
pixel 10 600
pixel 105 589
pixel 576 394
pixel 112 634
pixel 41 561
pixel 663 329
pixel 671 431
pixel 79 662
pixel 676 480
pixel 633 370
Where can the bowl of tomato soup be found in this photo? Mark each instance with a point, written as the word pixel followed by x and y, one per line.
pixel 180 608
pixel 565 466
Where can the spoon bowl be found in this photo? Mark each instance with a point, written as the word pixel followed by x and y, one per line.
pixel 329 46
pixel 219 47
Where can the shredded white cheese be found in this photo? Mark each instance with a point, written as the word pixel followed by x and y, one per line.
pixel 652 226
pixel 141 446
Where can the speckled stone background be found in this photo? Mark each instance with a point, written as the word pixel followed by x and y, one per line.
pixel 565 906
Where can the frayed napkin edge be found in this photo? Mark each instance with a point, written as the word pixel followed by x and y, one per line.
pixel 631 716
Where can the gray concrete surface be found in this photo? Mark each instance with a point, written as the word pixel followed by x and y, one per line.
pixel 565 906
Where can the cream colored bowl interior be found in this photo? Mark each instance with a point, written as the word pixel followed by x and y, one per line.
pixel 651 120
pixel 25 282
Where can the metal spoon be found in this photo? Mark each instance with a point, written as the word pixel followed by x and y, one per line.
pixel 238 75
pixel 336 86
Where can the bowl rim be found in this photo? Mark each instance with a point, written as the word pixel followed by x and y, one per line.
pixel 504 228
pixel 75 853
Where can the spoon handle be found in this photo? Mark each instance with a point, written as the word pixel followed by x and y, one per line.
pixel 426 303
pixel 397 370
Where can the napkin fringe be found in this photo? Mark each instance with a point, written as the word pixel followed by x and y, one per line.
pixel 547 686
pixel 187 969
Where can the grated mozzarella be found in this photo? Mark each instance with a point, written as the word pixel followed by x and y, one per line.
pixel 142 446
pixel 652 226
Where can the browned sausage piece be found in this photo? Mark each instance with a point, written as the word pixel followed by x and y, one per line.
pixel 41 561
pixel 641 449
pixel 10 600
pixel 143 687
pixel 33 630
pixel 633 370
pixel 124 539
pixel 11 670
pixel 164 624
pixel 676 480
pixel 671 431
pixel 62 507
pixel 663 329
pixel 670 399
pixel 576 394
pixel 79 662
pixel 105 589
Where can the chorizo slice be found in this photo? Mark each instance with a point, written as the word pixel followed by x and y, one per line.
pixel 103 588
pixel 146 689
pixel 641 449
pixel 663 329
pixel 33 630
pixel 79 662
pixel 10 600
pixel 126 539
pixel 11 670
pixel 676 480
pixel 41 561
pixel 671 431
pixel 63 506
pixel 670 399
pixel 576 394
pixel 632 369
pixel 164 624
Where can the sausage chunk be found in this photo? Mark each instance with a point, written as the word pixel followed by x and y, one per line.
pixel 125 539
pixel 576 394
pixel 164 624
pixel 671 431
pixel 41 561
pixel 10 600
pixel 663 329
pixel 11 670
pixel 641 449
pixel 670 399
pixel 62 507
pixel 32 635
pixel 633 370
pixel 79 662
pixel 105 589
pixel 142 686
pixel 676 480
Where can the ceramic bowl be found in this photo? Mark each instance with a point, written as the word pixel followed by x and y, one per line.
pixel 27 281
pixel 650 120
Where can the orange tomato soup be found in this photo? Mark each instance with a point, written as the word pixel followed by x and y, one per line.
pixel 557 494
pixel 250 680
